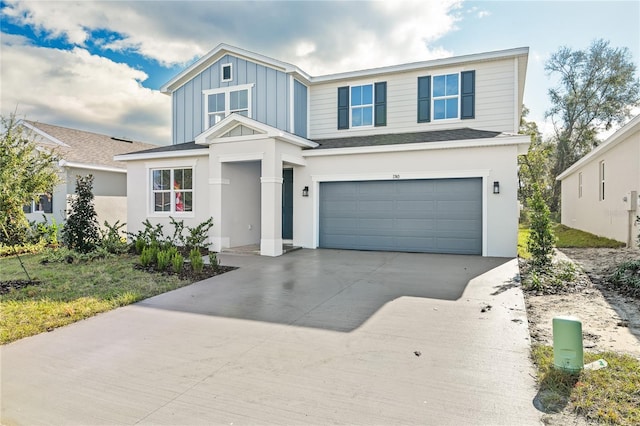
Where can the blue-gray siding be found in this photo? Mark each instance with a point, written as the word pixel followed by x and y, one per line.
pixel 270 96
pixel 430 216
pixel 300 109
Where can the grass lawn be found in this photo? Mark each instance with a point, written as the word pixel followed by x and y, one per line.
pixel 610 395
pixel 71 292
pixel 567 237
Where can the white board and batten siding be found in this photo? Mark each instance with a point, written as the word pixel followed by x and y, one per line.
pixel 270 97
pixel 495 101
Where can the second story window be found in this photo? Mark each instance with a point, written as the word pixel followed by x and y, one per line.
pixel 445 96
pixel 362 105
pixel 218 103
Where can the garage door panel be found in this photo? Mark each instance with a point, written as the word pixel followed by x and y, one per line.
pixel 435 215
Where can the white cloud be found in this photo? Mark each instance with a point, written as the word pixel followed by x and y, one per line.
pixel 483 14
pixel 74 88
pixel 342 35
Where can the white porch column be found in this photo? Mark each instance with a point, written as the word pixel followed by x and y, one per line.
pixel 271 205
pixel 216 181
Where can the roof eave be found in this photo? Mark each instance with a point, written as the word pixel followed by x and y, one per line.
pixel 522 141
pixel 609 143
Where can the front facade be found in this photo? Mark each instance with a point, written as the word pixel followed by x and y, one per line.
pixel 82 153
pixel 600 191
pixel 418 157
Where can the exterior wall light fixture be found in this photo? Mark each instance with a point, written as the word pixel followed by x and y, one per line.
pixel 305 191
pixel 496 187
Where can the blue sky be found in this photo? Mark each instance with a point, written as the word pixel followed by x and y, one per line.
pixel 98 65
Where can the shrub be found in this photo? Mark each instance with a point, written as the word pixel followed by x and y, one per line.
pixel 43 231
pixel 150 235
pixel 541 239
pixel 164 259
pixel 627 274
pixel 112 239
pixel 198 235
pixel 140 245
pixel 148 256
pixel 213 259
pixel 177 262
pixel 197 264
pixel 80 232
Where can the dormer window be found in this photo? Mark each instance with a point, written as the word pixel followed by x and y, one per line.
pixel 226 73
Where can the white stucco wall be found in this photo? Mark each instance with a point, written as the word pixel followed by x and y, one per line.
pixel 109 190
pixel 498 163
pixel 139 205
pixel 609 217
pixel 241 193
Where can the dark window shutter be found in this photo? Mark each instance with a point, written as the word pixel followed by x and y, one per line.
pixel 424 99
pixel 380 104
pixel 468 95
pixel 343 107
pixel 27 208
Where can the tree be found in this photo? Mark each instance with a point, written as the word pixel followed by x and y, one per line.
pixel 26 172
pixel 597 89
pixel 541 239
pixel 81 231
pixel 534 167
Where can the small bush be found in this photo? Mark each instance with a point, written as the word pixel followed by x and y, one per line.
pixel 28 248
pixel 627 274
pixel 112 239
pixel 164 259
pixel 148 256
pixel 140 245
pixel 213 259
pixel 197 264
pixel 177 262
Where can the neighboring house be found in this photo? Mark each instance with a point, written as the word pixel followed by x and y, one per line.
pixel 600 191
pixel 418 157
pixel 83 153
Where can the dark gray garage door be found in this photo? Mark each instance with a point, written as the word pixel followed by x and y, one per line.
pixel 431 216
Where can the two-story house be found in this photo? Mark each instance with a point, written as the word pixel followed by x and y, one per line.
pixel 418 157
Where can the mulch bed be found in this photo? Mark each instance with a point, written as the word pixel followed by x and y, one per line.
pixel 188 274
pixel 8 286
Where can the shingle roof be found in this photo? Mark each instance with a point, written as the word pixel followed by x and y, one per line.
pixel 359 141
pixel 405 138
pixel 87 148
pixel 177 147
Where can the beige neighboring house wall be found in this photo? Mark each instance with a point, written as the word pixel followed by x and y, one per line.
pixel 603 205
pixel 82 153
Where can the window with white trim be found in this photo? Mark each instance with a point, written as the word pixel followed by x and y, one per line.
pixel 219 103
pixel 361 105
pixel 601 180
pixel 172 190
pixel 226 72
pixel 43 205
pixel 580 185
pixel 446 92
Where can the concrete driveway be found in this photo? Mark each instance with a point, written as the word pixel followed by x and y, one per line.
pixel 312 337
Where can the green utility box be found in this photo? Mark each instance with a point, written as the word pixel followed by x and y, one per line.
pixel 568 353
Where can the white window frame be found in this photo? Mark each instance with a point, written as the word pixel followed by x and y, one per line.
pixel 222 67
pixel 580 185
pixel 372 106
pixel 439 98
pixel 151 191
pixel 227 100
pixel 601 180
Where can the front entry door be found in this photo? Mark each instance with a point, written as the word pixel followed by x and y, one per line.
pixel 287 204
